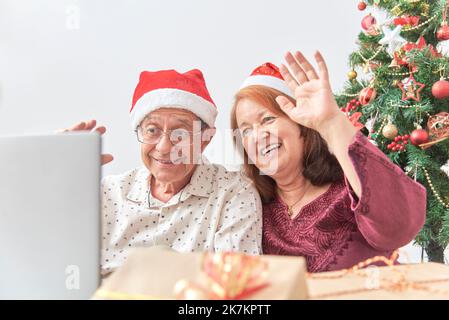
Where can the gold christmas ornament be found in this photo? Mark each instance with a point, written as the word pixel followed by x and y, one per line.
pixel 425 9
pixel 352 75
pixel 390 131
pixel 395 82
pixel 394 64
pixel 396 10
pixel 366 67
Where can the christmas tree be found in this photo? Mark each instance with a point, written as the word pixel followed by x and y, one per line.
pixel 401 99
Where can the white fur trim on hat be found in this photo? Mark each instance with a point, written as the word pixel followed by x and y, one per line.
pixel 173 98
pixel 268 81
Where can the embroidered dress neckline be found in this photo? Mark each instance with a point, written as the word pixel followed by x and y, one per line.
pixel 307 206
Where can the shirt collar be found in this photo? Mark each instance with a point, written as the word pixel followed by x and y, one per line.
pixel 201 183
pixel 139 189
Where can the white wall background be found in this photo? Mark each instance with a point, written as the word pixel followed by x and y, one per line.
pixel 62 61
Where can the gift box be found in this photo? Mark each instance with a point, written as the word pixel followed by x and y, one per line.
pixel 161 273
pixel 410 281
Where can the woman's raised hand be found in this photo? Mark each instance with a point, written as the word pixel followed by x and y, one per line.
pixel 315 103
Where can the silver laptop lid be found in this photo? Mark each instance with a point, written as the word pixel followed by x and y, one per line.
pixel 49 216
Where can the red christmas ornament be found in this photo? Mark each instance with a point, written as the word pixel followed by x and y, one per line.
pixel 420 44
pixel 351 106
pixel 399 143
pixel 367 95
pixel 400 56
pixel 373 30
pixel 443 31
pixel 354 118
pixel 361 6
pixel 368 21
pixel 419 136
pixel 411 88
pixel 440 89
pixel 406 21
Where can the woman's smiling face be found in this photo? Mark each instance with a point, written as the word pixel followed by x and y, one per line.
pixel 272 141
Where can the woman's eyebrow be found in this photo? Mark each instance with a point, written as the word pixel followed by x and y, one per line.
pixel 258 115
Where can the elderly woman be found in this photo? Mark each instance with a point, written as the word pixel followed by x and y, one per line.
pixel 328 193
pixel 176 198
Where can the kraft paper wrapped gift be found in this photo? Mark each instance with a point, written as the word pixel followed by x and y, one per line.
pixel 400 282
pixel 153 273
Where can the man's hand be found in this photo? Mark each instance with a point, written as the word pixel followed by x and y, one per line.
pixel 90 126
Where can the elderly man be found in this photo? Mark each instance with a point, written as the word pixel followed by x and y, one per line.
pixel 176 198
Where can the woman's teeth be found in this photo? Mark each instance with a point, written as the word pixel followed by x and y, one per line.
pixel 270 148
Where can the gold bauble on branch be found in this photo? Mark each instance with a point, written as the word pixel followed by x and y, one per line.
pixel 390 131
pixel 396 11
pixel 352 75
pixel 425 9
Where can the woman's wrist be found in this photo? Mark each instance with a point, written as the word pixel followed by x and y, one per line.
pixel 337 131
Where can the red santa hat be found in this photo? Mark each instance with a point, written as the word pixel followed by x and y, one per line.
pixel 267 75
pixel 171 89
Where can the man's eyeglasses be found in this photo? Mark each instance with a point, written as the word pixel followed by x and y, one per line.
pixel 153 134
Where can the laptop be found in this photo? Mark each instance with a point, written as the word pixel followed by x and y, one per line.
pixel 50 216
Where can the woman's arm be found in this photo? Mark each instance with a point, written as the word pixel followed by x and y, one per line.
pixel 392 207
pixel 339 134
pixel 389 207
